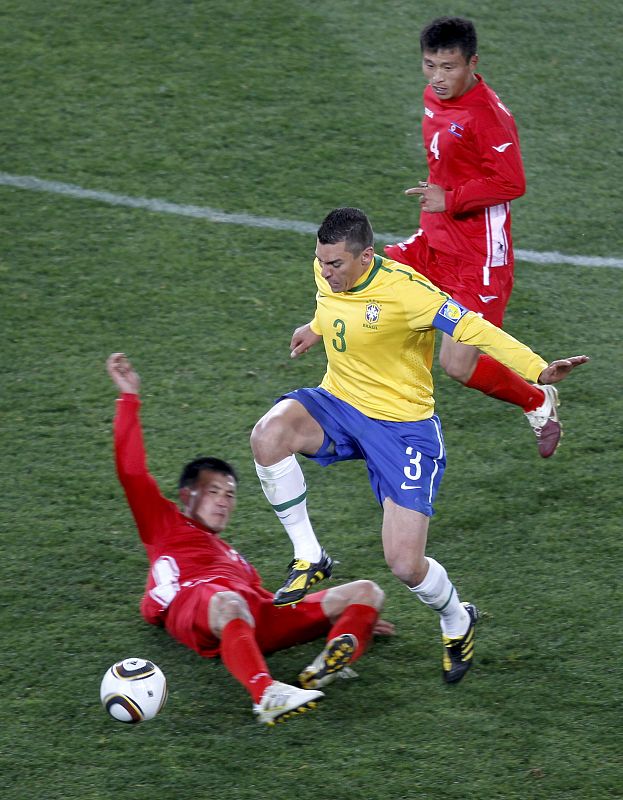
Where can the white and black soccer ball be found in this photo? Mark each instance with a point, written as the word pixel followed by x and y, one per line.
pixel 133 690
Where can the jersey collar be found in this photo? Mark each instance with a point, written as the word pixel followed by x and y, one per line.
pixel 367 278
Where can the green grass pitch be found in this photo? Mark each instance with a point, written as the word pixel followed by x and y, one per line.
pixel 286 110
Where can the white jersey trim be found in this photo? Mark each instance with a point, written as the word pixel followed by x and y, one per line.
pixel 437 459
pixel 497 240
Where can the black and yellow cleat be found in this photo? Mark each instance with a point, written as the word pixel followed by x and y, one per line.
pixel 302 576
pixel 458 652
pixel 328 665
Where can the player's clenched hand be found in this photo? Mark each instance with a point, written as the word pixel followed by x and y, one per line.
pixel 302 339
pixel 432 197
pixel 123 374
pixel 558 370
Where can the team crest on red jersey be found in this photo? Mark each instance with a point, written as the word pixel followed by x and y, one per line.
pixel 456 129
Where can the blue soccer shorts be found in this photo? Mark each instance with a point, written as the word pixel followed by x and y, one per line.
pixel 405 460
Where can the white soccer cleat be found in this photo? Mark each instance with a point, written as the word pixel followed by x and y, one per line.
pixel 545 424
pixel 281 701
pixel 332 663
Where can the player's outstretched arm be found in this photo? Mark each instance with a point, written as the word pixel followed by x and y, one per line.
pixel 122 373
pixel 558 370
pixel 302 339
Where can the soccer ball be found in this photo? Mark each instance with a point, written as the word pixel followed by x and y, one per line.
pixel 133 690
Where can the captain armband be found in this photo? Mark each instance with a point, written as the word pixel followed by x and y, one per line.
pixel 448 316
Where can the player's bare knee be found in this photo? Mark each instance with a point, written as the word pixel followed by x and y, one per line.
pixel 455 368
pixel 267 436
pixel 458 361
pixel 368 593
pixel 408 572
pixel 225 607
pixel 258 434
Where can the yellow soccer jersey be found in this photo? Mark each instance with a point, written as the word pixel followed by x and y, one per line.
pixel 379 339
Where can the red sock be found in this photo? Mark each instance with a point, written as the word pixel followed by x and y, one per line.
pixel 242 657
pixel 358 620
pixel 496 380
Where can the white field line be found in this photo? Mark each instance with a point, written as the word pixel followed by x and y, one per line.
pixel 250 220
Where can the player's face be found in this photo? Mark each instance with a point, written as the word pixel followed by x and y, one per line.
pixel 448 72
pixel 212 500
pixel 340 268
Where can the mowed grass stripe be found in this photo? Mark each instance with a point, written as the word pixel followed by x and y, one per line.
pixel 250 220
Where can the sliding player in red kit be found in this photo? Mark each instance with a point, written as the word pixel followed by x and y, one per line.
pixel 208 597
pixel 464 243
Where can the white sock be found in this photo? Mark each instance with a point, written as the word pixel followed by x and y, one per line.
pixel 438 592
pixel 284 486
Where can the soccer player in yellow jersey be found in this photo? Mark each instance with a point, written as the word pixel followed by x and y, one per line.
pixel 377 319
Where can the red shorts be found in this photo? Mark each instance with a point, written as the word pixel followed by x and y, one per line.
pixel 275 628
pixel 485 290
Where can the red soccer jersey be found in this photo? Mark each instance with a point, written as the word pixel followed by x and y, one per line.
pixel 472 148
pixel 181 552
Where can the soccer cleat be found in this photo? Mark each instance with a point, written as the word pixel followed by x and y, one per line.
pixel 327 666
pixel 545 423
pixel 301 577
pixel 281 702
pixel 458 652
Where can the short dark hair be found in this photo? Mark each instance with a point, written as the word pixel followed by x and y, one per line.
pixel 191 471
pixel 447 33
pixel 348 225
